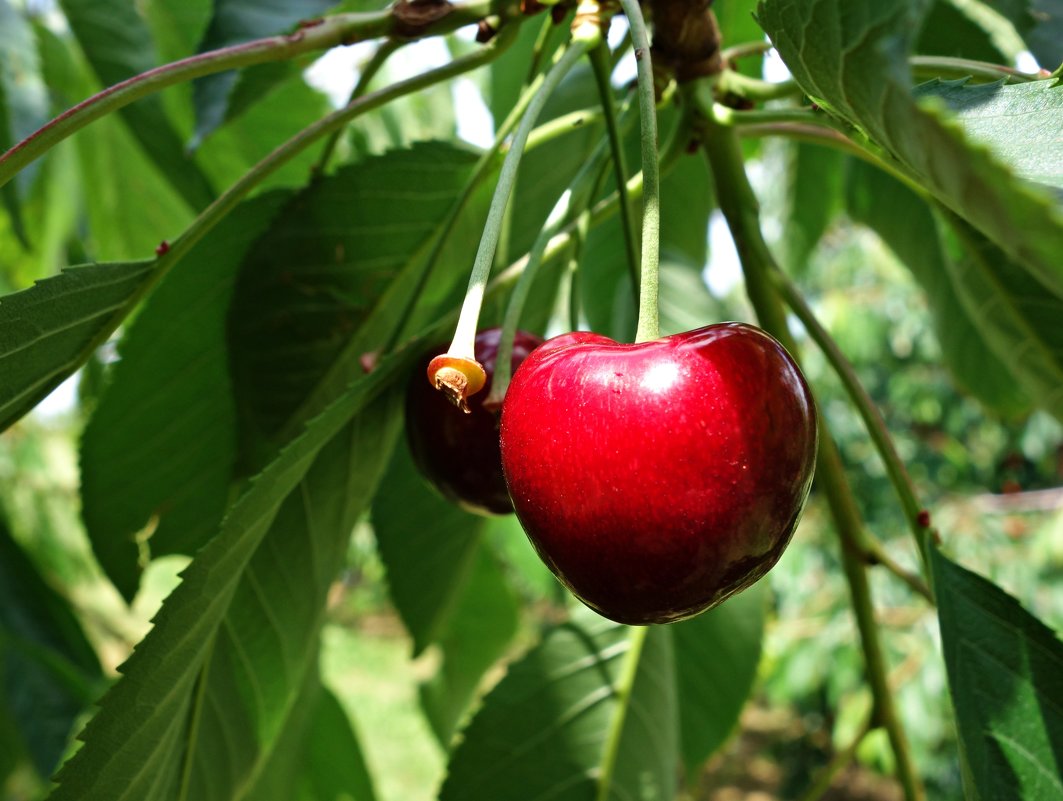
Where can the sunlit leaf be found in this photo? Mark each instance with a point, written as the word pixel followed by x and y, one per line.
pixel 49 330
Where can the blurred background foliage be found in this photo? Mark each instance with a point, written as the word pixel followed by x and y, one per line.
pixel 991 483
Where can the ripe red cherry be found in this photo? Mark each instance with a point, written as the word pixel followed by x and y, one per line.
pixel 657 479
pixel 457 452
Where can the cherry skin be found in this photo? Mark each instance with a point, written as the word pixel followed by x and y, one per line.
pixel 458 452
pixel 657 479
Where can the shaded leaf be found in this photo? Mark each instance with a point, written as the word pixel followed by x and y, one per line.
pixel 49 672
pixel 716 658
pixel 317 757
pixel 50 329
pixel 947 31
pixel 851 58
pixel 23 101
pixel 429 547
pixel 542 732
pixel 234 22
pixel 1017 317
pixel 309 285
pixel 906 224
pixel 169 394
pixel 1005 672
pixel 231 646
pixel 354 283
pixel 118 45
pixel 1046 32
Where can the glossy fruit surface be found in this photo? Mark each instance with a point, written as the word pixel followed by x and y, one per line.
pixel 458 452
pixel 659 478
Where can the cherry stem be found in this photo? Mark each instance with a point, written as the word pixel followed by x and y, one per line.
pixel 339 29
pixel 624 686
pixel 463 344
pixel 601 62
pixel 480 171
pixel 580 194
pixel 740 208
pixel 369 71
pixel 649 324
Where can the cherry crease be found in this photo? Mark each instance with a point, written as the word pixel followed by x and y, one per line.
pixel 458 453
pixel 657 479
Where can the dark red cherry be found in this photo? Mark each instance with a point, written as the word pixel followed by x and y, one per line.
pixel 458 452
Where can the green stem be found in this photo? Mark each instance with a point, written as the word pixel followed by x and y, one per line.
pixel 624 687
pixel 463 344
pixel 649 324
pixel 369 71
pixel 740 208
pixel 849 525
pixel 559 126
pixel 600 61
pixel 340 29
pixel 938 66
pixel 580 194
pixel 735 52
pixel 731 82
pixel 876 427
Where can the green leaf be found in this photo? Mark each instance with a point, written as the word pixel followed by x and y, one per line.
pixel 948 31
pixel 311 288
pixel 475 636
pixel 337 767
pixel 1020 123
pixel 364 275
pixel 49 672
pixel 906 225
pixel 545 729
pixel 429 547
pixel 851 58
pixel 118 45
pixel 1017 317
pixel 23 100
pixel 1005 672
pixel 317 757
pixel 50 329
pixel 234 22
pixel 205 695
pixel 169 393
pixel 716 658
